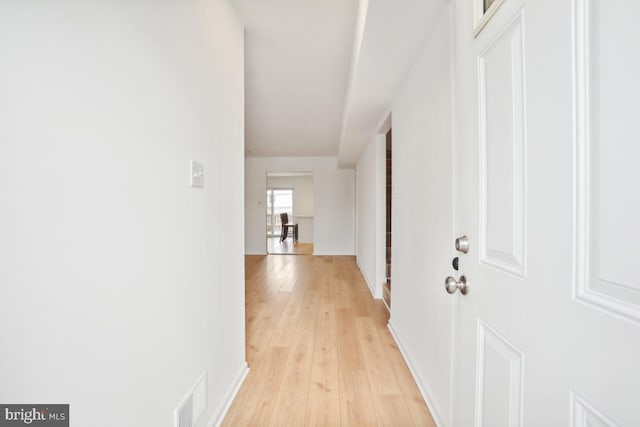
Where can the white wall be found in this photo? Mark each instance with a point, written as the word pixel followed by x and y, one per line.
pixel 333 202
pixel 120 284
pixel 422 219
pixel 371 221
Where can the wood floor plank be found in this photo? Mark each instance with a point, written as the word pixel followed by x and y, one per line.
pixel 256 407
pixel 415 403
pixel 319 350
pixel 291 401
pixel 381 375
pixel 260 339
pixel 356 403
pixel 275 246
pixel 286 328
pixel 323 403
pixel 349 351
pixel 391 411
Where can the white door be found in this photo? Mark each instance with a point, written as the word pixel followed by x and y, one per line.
pixel 547 139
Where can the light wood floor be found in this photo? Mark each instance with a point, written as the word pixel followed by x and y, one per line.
pixel 275 246
pixel 319 350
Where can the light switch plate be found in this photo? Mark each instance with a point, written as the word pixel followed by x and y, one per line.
pixel 197 174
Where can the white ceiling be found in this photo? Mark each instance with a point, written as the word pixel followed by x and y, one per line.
pixel 319 77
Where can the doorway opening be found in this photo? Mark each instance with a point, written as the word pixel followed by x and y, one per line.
pixel 289 214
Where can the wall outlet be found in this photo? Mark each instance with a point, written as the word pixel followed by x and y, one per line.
pixel 197 174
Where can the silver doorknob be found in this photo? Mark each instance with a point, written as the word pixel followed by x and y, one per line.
pixel 462 244
pixel 452 285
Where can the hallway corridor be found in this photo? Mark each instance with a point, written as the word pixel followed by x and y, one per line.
pixel 319 350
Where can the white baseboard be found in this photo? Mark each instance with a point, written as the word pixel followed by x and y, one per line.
pixel 234 387
pixel 424 390
pixel 255 253
pixel 387 305
pixel 364 276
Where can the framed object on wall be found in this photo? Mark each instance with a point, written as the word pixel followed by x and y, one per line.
pixel 483 10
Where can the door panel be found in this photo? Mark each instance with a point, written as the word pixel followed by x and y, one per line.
pixel 500 370
pixel 607 97
pixel 547 132
pixel 502 148
pixel 585 415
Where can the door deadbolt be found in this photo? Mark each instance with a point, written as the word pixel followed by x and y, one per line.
pixel 452 285
pixel 462 244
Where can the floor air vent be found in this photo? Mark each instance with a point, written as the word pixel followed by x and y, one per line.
pixel 193 405
pixel 185 414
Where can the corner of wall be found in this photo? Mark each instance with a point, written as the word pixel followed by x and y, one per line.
pixel 373 289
